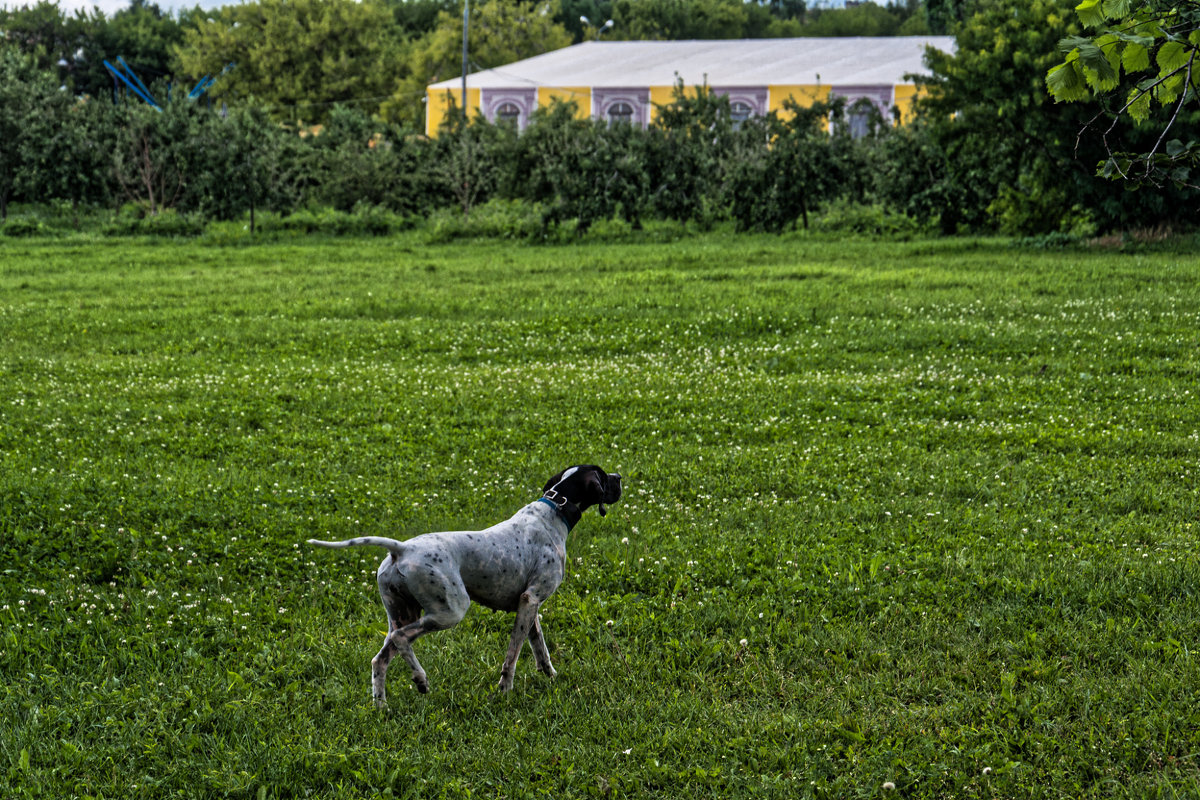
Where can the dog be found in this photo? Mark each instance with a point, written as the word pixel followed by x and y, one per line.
pixel 512 566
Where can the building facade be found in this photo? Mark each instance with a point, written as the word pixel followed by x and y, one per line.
pixel 624 81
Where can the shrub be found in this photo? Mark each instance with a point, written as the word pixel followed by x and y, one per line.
pixel 843 216
pixel 167 223
pixel 22 226
pixel 363 220
pixel 495 219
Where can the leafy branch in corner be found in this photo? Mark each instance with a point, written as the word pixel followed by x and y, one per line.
pixel 1153 45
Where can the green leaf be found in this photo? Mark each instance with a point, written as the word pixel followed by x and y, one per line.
pixel 1168 90
pixel 1093 58
pixel 1065 82
pixel 1090 12
pixel 1171 56
pixel 1139 104
pixel 1175 148
pixel 1135 57
pixel 1110 47
pixel 1070 43
pixel 1114 169
pixel 1115 9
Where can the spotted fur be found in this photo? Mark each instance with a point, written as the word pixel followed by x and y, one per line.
pixel 427 583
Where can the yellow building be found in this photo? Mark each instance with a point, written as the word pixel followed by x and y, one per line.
pixel 626 80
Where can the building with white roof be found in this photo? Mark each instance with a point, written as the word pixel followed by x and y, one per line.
pixel 625 80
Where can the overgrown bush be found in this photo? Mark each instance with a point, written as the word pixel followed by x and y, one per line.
pixel 21 226
pixel 867 219
pixel 364 219
pixel 355 161
pixel 583 170
pixel 496 219
pixel 133 221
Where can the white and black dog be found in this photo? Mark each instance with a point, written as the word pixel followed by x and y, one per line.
pixel 512 566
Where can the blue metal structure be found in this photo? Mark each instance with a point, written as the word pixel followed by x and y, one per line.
pixel 132 81
pixel 207 82
pixel 124 74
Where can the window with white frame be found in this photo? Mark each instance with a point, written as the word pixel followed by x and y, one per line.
pixel 509 114
pixel 619 112
pixel 739 112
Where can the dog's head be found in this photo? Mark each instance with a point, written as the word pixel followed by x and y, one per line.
pixel 584 486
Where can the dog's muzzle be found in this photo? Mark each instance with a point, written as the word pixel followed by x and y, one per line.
pixel 612 493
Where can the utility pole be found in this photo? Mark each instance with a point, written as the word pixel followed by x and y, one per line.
pixel 466 26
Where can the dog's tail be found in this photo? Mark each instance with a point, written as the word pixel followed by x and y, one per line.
pixel 394 546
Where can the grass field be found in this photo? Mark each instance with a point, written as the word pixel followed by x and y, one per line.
pixel 917 515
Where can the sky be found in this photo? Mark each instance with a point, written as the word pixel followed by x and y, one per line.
pixel 109 7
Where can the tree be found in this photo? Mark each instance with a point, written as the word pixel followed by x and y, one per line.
pixel 357 160
pixel 867 19
pixel 500 32
pixel 597 11
pixel 299 57
pixel 680 19
pixel 584 170
pixel 141 33
pixel 236 166
pixel 68 152
pixel 915 174
pixel 25 91
pixel 469 158
pixel 150 158
pixel 44 33
pixel 690 143
pixel 1008 146
pixel 787 166
pixel 1146 54
pixel 941 16
pixel 418 17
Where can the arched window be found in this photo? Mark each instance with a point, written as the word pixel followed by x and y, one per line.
pixel 739 112
pixel 620 112
pixel 862 117
pixel 509 114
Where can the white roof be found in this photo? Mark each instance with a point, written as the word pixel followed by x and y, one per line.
pixel 843 61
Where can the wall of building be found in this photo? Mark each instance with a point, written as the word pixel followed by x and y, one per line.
pixel 438 105
pixel 640 102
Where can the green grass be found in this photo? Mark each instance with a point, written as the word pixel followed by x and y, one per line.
pixel 920 513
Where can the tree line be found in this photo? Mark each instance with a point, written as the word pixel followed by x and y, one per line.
pixel 988 150
pixel 298 58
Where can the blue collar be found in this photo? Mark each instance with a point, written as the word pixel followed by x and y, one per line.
pixel 562 514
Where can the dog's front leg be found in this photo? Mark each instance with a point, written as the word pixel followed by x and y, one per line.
pixel 526 619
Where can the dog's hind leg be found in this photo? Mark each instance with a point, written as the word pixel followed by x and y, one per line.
pixel 399 641
pixel 441 613
pixel 537 643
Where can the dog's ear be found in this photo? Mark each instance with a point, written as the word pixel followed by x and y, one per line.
pixel 551 483
pixel 559 478
pixel 594 485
